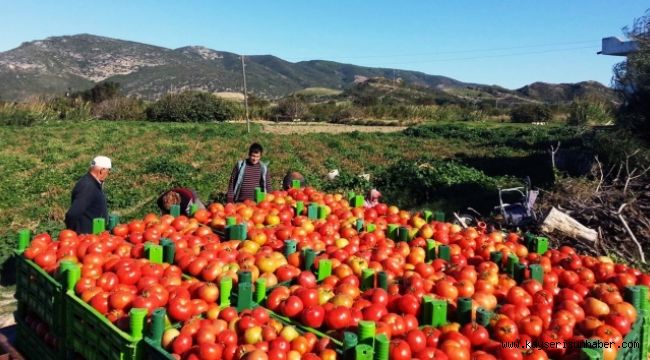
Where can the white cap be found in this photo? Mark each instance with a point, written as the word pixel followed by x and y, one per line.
pixel 102 162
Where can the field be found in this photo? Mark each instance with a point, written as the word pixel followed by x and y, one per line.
pixel 40 164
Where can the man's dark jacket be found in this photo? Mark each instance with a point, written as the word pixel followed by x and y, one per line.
pixel 88 203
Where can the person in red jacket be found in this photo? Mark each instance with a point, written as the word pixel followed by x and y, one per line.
pixel 179 196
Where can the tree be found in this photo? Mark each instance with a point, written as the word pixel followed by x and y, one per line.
pixel 100 92
pixel 529 113
pixel 632 80
pixel 292 107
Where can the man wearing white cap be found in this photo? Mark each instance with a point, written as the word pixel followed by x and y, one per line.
pixel 88 199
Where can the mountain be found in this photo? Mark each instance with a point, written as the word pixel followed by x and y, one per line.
pixel 71 63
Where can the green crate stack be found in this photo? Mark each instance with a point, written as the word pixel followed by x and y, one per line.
pixel 640 333
pixel 153 351
pixel 91 335
pixel 32 347
pixel 40 293
pixel 152 348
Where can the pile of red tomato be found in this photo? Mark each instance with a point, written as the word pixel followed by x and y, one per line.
pixel 580 297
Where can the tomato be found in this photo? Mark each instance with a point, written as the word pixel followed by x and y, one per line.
pixel 518 296
pixel 399 350
pixel 505 330
pixel 144 302
pixel 595 307
pixel 227 338
pixel 408 304
pixel 181 344
pixel 531 325
pixel 46 259
pixel 208 292
pixel 292 306
pixel 100 302
pixel 128 275
pixel 261 315
pixel 120 300
pixel 338 318
pixel 107 281
pixel 84 284
pixel 308 296
pixel 205 334
pixel 477 334
pixel 416 339
pixel 210 351
pixel 313 316
pixel 276 296
pixel 180 309
pixel 619 322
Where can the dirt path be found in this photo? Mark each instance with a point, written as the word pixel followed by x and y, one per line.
pixel 7 306
pixel 304 128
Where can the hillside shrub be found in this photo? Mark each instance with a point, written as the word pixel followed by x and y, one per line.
pixel 37 111
pixel 529 113
pixel 120 108
pixel 100 92
pixel 585 112
pixel 192 106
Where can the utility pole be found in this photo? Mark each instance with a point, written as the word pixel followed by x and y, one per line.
pixel 243 69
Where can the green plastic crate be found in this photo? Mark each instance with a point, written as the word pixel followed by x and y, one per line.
pixel 91 335
pixel 153 351
pixel 32 347
pixel 39 292
pixel 633 336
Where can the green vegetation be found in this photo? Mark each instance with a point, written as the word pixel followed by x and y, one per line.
pixel 41 163
pixel 531 113
pixel 632 79
pixel 192 107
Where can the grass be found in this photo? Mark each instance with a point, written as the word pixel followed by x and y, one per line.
pixel 318 91
pixel 40 164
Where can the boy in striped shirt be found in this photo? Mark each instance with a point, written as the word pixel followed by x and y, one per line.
pixel 249 174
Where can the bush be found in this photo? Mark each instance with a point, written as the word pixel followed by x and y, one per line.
pixel 100 92
pixel 35 111
pixel 529 113
pixel 192 107
pixel 70 108
pixel 121 108
pixel 584 112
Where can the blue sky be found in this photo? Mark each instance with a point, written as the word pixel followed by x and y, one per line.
pixel 509 43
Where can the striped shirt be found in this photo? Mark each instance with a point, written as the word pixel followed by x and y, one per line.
pixel 252 179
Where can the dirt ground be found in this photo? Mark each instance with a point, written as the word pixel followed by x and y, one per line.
pixel 304 128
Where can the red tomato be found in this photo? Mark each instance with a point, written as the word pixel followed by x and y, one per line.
pixel 531 325
pixel 292 306
pixel 313 316
pixel 477 334
pixel 120 300
pixel 338 318
pixel 399 350
pixel 180 309
pixel 210 351
pixel 416 339
pixel 181 344
pixel 505 330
